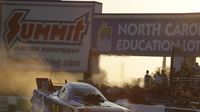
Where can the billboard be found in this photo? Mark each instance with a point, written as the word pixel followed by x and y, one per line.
pixel 146 34
pixel 56 34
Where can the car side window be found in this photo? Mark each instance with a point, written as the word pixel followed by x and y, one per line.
pixel 63 94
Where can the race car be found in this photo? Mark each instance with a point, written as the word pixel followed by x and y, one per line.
pixel 70 97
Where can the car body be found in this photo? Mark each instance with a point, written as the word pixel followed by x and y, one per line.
pixel 71 97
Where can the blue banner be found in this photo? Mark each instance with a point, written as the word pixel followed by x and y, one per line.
pixel 150 34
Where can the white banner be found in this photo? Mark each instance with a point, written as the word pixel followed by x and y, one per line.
pixel 56 34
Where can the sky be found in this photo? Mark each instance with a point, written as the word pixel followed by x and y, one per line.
pixel 125 68
pixel 150 6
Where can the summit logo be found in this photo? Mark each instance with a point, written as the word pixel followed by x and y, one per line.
pixel 18 28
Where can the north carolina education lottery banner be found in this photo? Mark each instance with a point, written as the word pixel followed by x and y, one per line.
pixel 146 34
pixel 56 34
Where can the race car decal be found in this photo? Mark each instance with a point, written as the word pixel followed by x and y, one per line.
pixel 50 104
pixel 54 106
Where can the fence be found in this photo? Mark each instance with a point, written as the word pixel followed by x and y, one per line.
pixel 14 104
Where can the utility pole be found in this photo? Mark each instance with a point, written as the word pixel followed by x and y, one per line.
pixel 164 63
pixel 171 66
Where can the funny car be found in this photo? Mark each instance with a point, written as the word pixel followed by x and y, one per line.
pixel 70 97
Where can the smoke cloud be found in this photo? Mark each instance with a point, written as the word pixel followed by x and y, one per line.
pixel 18 79
pixel 100 78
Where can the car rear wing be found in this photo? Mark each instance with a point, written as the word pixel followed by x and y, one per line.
pixel 46 84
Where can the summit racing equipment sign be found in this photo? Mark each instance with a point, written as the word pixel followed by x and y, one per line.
pixel 56 34
pixel 150 34
pixel 17 28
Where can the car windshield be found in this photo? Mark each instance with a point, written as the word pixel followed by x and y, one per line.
pixel 87 95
